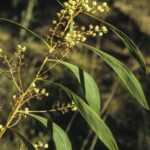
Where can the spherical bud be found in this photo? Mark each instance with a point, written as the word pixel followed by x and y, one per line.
pixel 24 49
pixel 79 35
pixel 91 26
pixel 83 39
pixel 54 22
pixel 33 85
pixel 43 91
pixel 101 34
pixel 35 145
pixel 104 29
pixel 71 12
pixel 40 144
pixel 14 96
pixel 1 126
pixel 26 110
pixel 94 34
pixel 74 108
pixel 58 14
pixel 100 8
pixel 73 2
pixel 47 94
pixel 94 3
pixel 88 9
pixel 46 146
pixel 104 4
pixel 36 90
pixel 86 1
pixel 19 47
pixel 62 11
pixel 83 28
pixel 96 28
pixel 66 4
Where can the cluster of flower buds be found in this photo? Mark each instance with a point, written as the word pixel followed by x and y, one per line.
pixel 64 18
pixel 96 30
pixel 26 112
pixel 64 108
pixel 40 145
pixel 75 36
pixel 39 92
pixel 95 7
pixel 73 106
pixel 66 33
pixel 21 49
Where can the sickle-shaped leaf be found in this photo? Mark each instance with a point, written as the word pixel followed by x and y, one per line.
pixel 60 138
pixel 92 118
pixel 25 140
pixel 28 30
pixel 126 76
pixel 89 86
pixel 126 40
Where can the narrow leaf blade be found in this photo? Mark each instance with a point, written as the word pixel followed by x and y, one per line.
pixel 60 138
pixel 126 76
pixel 89 85
pixel 92 118
pixel 25 140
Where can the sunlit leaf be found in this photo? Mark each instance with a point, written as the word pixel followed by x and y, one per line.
pixel 27 143
pixel 60 138
pixel 92 118
pixel 126 76
pixel 89 86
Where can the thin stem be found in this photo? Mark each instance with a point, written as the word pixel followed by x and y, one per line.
pixel 71 122
pixel 94 141
pixel 19 73
pixel 11 72
pixel 113 91
pixel 21 99
pixel 87 139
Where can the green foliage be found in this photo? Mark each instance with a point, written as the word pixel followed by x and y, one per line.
pixel 124 74
pixel 59 136
pixel 27 143
pixel 90 110
pixel 88 84
pixel 92 118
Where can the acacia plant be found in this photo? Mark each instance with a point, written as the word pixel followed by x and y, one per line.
pixel 64 35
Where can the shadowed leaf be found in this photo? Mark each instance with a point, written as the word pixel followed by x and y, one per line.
pixel 89 86
pixel 60 138
pixel 27 143
pixel 92 118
